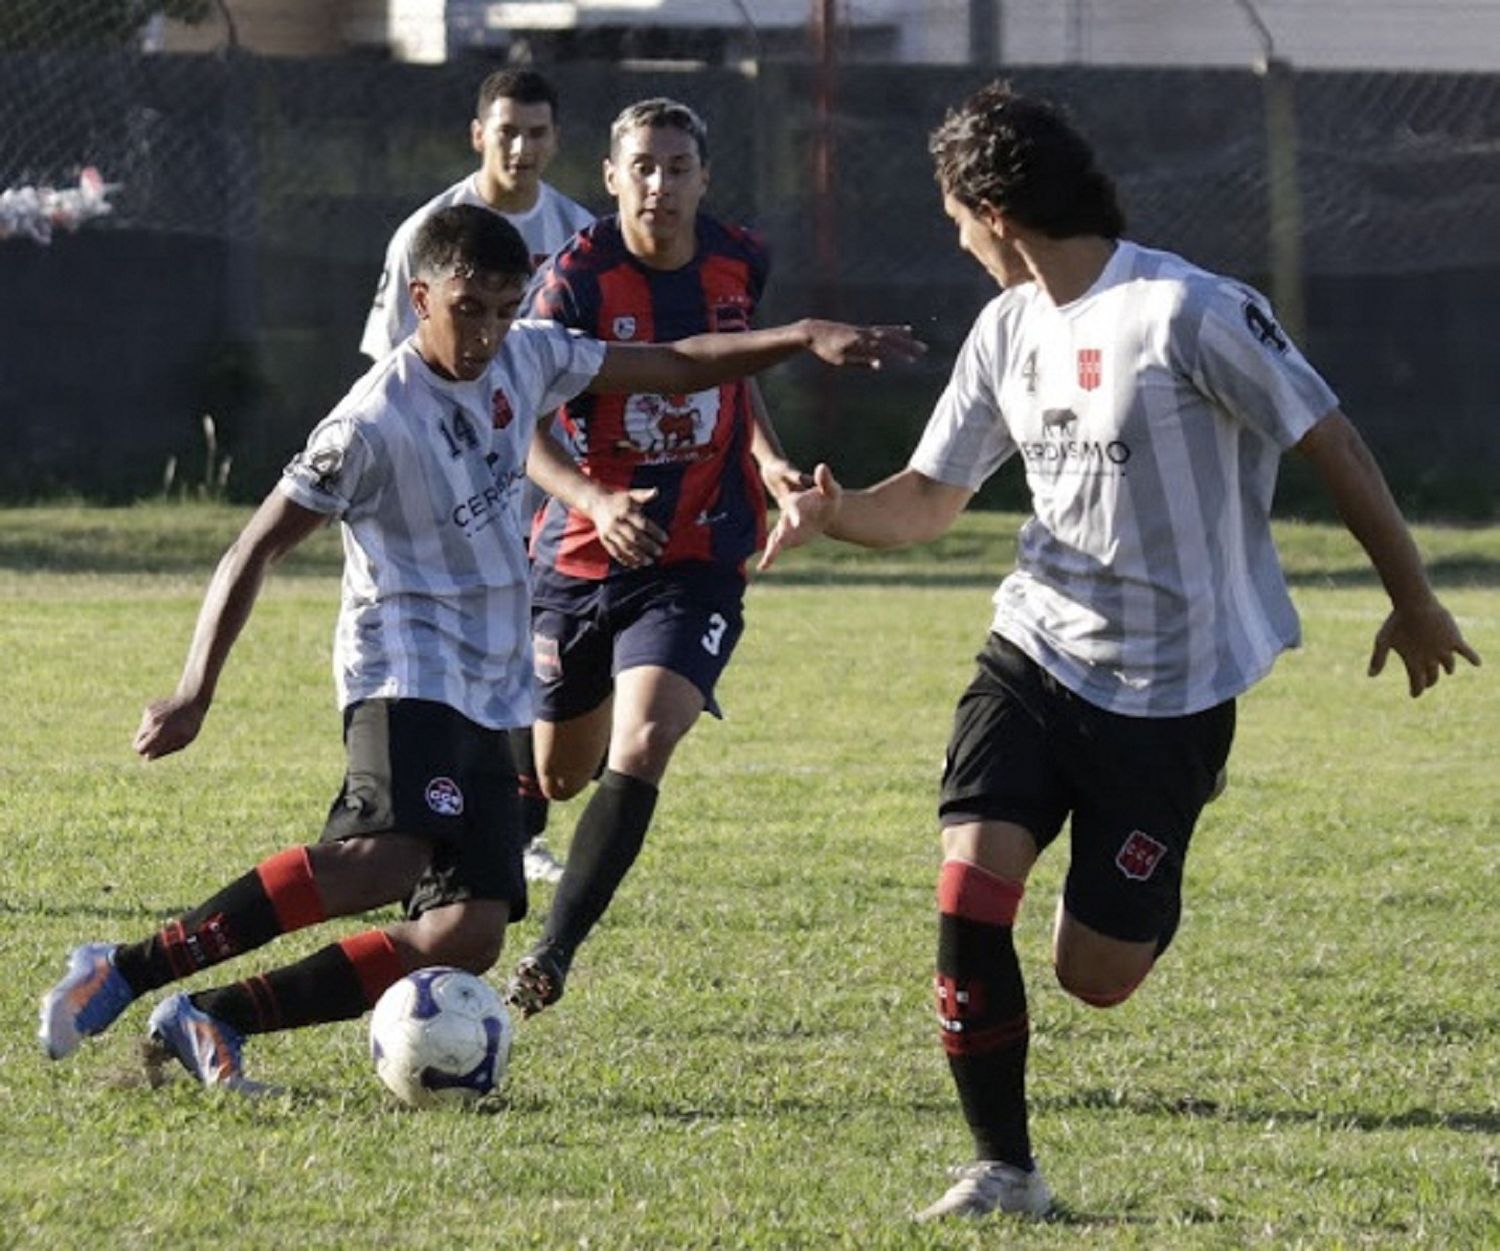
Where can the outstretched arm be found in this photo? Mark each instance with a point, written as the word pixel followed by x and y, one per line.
pixel 705 360
pixel 172 723
pixel 907 507
pixel 1419 629
pixel 628 535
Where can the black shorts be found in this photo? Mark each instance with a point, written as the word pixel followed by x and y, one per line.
pixel 424 769
pixel 686 618
pixel 1027 750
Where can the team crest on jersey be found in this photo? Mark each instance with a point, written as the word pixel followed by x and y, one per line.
pixel 1090 368
pixel 444 797
pixel 623 327
pixel 669 425
pixel 325 464
pixel 1139 855
pixel 730 313
pixel 501 413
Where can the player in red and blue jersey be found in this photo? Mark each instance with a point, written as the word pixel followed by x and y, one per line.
pixel 628 648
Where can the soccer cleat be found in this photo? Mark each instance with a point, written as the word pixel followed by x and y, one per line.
pixel 90 996
pixel 538 980
pixel 989 1186
pixel 205 1046
pixel 540 864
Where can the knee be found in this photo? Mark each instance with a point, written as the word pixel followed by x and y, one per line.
pixel 1099 988
pixel 471 942
pixel 644 749
pixel 559 785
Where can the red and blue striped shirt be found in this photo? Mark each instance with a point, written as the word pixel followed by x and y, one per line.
pixel 694 449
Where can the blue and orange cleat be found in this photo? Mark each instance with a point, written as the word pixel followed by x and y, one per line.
pixel 90 996
pixel 205 1046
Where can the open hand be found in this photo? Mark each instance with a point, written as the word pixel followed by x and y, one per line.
pixel 867 346
pixel 628 535
pixel 1427 639
pixel 804 516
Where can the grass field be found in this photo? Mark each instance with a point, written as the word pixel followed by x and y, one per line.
pixel 746 1056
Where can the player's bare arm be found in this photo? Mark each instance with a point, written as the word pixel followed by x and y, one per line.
pixel 1419 629
pixel 781 478
pixel 628 535
pixel 170 724
pixel 706 360
pixel 907 507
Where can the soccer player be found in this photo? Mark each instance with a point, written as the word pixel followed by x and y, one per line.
pixel 431 654
pixel 515 132
pixel 628 651
pixel 1149 402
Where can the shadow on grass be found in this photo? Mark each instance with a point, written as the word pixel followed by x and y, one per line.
pixel 1486 1121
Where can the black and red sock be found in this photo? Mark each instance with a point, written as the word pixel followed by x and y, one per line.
pixel 277 896
pixel 981 1004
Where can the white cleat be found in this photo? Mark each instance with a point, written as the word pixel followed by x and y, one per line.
pixel 989 1186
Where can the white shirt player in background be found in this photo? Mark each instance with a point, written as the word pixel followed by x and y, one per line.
pixel 516 134
pixel 417 464
pixel 1149 403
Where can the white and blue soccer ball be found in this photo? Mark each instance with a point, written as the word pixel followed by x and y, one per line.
pixel 440 1035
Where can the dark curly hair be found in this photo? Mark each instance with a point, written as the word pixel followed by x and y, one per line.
pixel 1023 157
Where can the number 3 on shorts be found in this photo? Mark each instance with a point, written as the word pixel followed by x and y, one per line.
pixel 714 638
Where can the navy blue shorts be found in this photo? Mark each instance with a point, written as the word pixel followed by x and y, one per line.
pixel 423 769
pixel 1028 751
pixel 686 618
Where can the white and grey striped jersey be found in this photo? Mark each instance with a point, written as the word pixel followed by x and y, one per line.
pixel 1151 414
pixel 546 226
pixel 422 472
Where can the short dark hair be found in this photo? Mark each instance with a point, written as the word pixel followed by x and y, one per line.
pixel 524 86
pixel 467 239
pixel 1024 157
pixel 658 112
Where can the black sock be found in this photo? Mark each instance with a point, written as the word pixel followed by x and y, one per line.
pixel 982 1007
pixel 605 844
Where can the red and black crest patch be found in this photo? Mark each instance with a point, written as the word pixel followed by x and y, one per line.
pixel 1139 855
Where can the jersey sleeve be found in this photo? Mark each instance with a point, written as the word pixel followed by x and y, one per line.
pixel 390 320
pixel 335 472
pixel 558 362
pixel 553 294
pixel 1239 357
pixel 966 438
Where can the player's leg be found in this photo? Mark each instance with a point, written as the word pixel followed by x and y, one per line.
pixel 673 636
pixel 538 859
pixel 1141 784
pixel 415 766
pixel 1002 803
pixel 288 891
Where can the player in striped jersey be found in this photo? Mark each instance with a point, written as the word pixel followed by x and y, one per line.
pixel 628 653
pixel 1149 403
pixel 432 660
pixel 516 133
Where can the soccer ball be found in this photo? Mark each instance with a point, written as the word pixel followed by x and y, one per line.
pixel 440 1035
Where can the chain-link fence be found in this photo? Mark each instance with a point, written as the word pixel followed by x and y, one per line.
pixel 256 196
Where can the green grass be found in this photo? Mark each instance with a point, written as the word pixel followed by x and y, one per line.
pixel 746 1056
